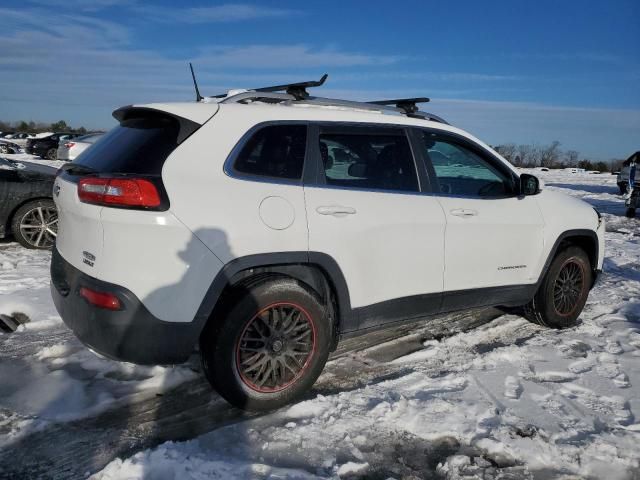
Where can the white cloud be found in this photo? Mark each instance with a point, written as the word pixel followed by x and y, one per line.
pixel 285 56
pixel 84 5
pixel 230 12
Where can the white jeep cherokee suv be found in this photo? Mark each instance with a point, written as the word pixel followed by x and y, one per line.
pixel 267 226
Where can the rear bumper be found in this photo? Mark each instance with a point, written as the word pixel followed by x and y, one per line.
pixel 131 334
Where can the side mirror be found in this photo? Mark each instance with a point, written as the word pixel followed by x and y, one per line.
pixel 529 184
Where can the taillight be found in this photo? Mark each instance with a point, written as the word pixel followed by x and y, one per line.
pixel 69 144
pixel 119 192
pixel 100 299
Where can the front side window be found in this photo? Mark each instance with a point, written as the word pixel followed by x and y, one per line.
pixel 368 161
pixel 462 171
pixel 275 151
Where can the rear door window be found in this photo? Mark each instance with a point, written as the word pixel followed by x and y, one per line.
pixel 371 161
pixel 136 146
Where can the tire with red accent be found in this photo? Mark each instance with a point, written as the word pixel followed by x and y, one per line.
pixel 563 292
pixel 270 346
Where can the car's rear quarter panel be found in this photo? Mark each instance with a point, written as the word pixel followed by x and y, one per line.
pixel 222 211
pixel 156 257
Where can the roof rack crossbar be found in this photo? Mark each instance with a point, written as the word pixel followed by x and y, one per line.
pixel 298 90
pixel 407 104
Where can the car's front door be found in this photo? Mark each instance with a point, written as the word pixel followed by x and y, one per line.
pixel 494 237
pixel 367 208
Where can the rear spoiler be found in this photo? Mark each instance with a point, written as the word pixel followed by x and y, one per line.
pixel 187 127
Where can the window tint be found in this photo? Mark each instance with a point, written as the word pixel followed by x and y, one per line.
pixel 461 171
pixel 366 161
pixel 274 151
pixel 139 146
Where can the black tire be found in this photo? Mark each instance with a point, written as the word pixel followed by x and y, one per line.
pixel 557 308
pixel 29 210
pixel 227 347
pixel 52 154
pixel 4 149
pixel 631 212
pixel 623 188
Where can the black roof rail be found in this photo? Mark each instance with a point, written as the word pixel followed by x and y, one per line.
pixel 409 105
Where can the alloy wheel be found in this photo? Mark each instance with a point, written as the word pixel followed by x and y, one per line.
pixel 568 287
pixel 276 347
pixel 39 226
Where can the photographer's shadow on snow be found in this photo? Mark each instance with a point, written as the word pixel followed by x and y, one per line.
pixel 123 408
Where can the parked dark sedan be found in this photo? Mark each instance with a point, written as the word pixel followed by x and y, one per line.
pixel 27 210
pixel 47 147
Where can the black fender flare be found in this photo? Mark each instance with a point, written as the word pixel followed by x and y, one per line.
pixel 293 264
pixel 567 235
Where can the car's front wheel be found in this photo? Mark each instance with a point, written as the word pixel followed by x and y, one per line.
pixel 269 346
pixel 631 212
pixel 564 290
pixel 35 224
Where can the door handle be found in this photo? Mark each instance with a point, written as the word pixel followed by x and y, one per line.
pixel 463 212
pixel 335 210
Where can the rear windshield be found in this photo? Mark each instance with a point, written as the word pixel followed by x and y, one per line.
pixel 138 145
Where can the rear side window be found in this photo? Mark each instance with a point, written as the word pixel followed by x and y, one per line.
pixel 139 146
pixel 368 161
pixel 275 151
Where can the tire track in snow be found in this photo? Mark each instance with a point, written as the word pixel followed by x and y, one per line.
pixel 72 449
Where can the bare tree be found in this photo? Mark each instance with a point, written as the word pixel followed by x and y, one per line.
pixel 508 151
pixel 571 158
pixel 616 164
pixel 550 154
pixel 528 155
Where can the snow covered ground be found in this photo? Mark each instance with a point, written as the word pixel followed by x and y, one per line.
pixel 506 399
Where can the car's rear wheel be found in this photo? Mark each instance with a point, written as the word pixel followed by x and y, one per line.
pixel 623 188
pixel 564 290
pixel 631 212
pixel 35 224
pixel 52 153
pixel 269 347
pixel 4 148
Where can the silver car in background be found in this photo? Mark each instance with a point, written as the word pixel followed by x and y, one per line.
pixel 69 149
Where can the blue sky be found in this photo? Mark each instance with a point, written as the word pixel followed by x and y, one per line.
pixel 508 71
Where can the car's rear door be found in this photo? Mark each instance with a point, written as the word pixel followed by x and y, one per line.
pixel 368 207
pixel 494 237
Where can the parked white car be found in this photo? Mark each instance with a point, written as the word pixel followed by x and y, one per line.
pixel 69 149
pixel 268 226
pixel 19 139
